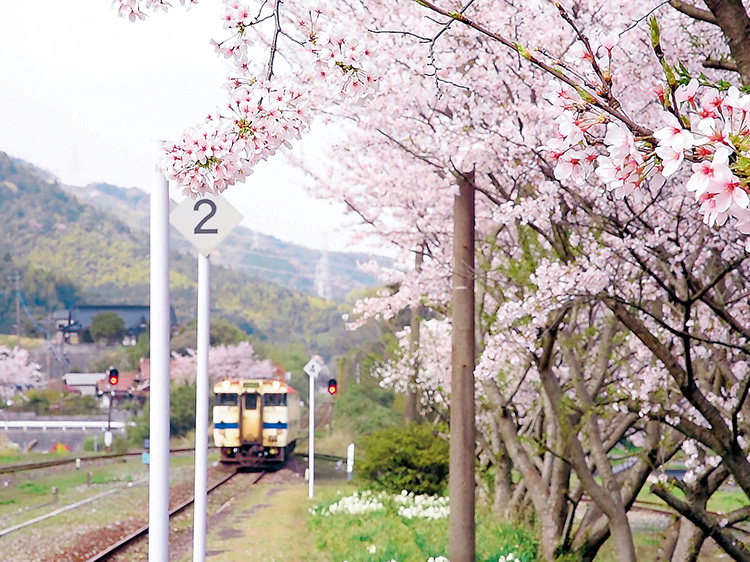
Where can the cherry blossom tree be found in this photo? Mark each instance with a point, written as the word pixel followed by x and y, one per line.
pixel 609 150
pixel 224 362
pixel 17 372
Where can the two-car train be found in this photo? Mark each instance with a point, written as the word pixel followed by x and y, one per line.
pixel 256 421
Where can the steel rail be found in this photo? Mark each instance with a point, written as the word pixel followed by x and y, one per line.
pixel 20 467
pixel 324 457
pixel 121 544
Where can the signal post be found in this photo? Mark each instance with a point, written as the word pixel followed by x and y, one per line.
pixel 205 223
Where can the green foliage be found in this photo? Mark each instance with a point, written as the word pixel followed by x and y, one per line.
pixel 120 445
pixel 48 401
pixel 109 263
pixel 123 357
pixel 108 326
pixel 181 415
pixel 366 409
pixel 222 333
pixel 37 401
pixel 88 443
pixel 413 457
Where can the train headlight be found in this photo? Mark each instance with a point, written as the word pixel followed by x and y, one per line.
pixel 276 385
pixel 226 385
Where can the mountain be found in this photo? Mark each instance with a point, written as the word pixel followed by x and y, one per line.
pixel 329 274
pixel 69 252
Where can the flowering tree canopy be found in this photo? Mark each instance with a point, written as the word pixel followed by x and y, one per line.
pixel 17 372
pixel 609 145
pixel 224 362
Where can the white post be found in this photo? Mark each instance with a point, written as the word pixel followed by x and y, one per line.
pixel 311 439
pixel 201 410
pixel 158 491
pixel 349 461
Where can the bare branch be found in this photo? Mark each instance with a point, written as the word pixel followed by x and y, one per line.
pixel 720 65
pixel 703 520
pixel 693 12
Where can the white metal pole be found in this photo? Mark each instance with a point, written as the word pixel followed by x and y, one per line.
pixel 201 410
pixel 158 491
pixel 311 439
pixel 349 461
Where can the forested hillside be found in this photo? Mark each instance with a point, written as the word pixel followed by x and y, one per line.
pixel 68 252
pixel 289 265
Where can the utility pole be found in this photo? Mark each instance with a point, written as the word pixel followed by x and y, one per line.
pixel 17 279
pixel 410 414
pixel 462 438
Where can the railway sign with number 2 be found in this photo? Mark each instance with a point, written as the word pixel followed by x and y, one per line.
pixel 205 222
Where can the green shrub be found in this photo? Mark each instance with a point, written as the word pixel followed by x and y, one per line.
pixel 366 409
pixel 413 457
pixel 120 445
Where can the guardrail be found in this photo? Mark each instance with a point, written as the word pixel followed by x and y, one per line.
pixel 64 425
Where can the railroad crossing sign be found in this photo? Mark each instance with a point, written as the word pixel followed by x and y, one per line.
pixel 313 368
pixel 205 222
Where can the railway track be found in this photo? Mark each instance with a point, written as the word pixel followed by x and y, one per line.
pixel 22 467
pixel 324 457
pixel 130 539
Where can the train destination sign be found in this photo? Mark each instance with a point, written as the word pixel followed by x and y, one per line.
pixel 205 222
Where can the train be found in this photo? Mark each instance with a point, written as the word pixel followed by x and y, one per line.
pixel 256 422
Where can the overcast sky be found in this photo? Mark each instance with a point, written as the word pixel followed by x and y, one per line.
pixel 84 94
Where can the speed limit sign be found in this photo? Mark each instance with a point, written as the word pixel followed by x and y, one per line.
pixel 205 222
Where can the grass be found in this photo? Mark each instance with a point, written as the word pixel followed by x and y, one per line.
pixel 381 535
pixel 266 523
pixel 11 340
pixel 647 542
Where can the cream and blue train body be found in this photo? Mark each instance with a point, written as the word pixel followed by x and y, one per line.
pixel 256 421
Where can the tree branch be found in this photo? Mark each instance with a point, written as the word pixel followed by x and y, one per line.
pixel 693 12
pixel 701 519
pixel 720 65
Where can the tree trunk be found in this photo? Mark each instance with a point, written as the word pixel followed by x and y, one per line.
pixel 732 18
pixel 689 542
pixel 462 438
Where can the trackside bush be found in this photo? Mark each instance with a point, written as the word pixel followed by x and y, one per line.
pixel 413 457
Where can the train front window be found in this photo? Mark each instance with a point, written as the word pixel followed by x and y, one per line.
pixel 226 399
pixel 251 401
pixel 274 399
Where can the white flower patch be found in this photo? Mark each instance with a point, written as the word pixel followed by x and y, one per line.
pixel 356 504
pixel 422 506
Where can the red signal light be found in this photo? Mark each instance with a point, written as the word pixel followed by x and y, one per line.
pixel 332 387
pixel 114 376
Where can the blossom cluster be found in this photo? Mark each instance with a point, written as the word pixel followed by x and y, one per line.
pixel 700 124
pixel 136 9
pixel 338 57
pixel 262 114
pixel 17 371
pixel 259 119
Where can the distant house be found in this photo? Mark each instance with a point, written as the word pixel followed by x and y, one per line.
pixel 71 324
pixel 85 383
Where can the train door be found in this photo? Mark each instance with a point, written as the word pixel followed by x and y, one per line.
pixel 226 416
pixel 251 418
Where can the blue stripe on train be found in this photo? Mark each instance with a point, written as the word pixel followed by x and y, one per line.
pixel 226 425
pixel 277 425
